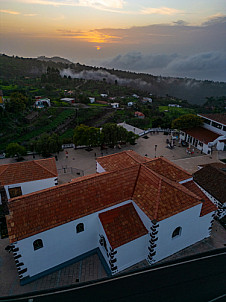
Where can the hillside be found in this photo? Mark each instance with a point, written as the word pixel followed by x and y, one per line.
pixel 194 91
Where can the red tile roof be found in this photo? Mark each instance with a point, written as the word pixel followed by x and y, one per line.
pixel 168 169
pixel 202 134
pixel 46 209
pixel 217 117
pixel 28 171
pixel 207 206
pixel 158 196
pixel 120 160
pixel 122 225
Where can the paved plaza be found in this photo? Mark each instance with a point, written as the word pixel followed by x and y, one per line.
pixel 81 162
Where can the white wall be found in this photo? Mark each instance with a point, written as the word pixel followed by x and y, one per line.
pixel 99 168
pixel 32 186
pixel 132 252
pixel 194 229
pixel 61 243
pixel 214 129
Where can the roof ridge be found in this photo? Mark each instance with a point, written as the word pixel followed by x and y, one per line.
pixel 37 162
pixel 158 199
pixel 124 151
pixel 172 183
pixel 173 164
pixel 130 155
pixel 6 167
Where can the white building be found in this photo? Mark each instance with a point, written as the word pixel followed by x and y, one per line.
pixel 27 177
pixel 115 105
pixel 135 209
pixel 211 135
pixel 92 100
pixel 41 103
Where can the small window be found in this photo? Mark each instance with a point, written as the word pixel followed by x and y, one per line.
pixel 177 232
pixel 14 192
pixel 79 227
pixel 38 244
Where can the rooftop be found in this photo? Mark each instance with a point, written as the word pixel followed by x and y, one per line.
pixel 27 171
pixel 217 117
pixel 207 206
pixel 157 196
pixel 122 225
pixel 202 134
pixel 213 180
pixel 120 160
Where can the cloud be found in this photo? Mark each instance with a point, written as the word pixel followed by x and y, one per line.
pixel 200 65
pixel 137 61
pixel 92 36
pixel 6 11
pixel 215 19
pixel 160 11
pixel 30 15
pixel 180 23
pixel 203 61
pixel 107 5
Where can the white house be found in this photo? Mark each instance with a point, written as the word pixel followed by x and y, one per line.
pixel 27 177
pixel 104 95
pixel 211 135
pixel 92 100
pixel 115 105
pixel 135 209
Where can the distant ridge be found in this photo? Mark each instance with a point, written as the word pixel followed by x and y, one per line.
pixel 54 59
pixel 192 90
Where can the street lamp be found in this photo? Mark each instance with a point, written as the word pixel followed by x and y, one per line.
pixel 155 149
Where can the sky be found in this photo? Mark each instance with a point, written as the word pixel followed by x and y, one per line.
pixel 169 38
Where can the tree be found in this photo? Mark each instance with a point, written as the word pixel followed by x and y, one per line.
pixel 187 121
pixel 113 134
pixel 15 149
pixel 86 136
pixel 16 103
pixel 48 144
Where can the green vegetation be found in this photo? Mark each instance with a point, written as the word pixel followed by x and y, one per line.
pixel 187 121
pixel 15 149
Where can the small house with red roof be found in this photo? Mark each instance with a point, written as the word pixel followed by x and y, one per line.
pixel 27 177
pixel 134 208
pixel 212 134
pixel 139 115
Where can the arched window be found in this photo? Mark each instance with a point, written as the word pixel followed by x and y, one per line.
pixel 177 232
pixel 37 244
pixel 79 227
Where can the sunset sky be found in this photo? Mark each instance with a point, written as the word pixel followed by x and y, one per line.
pixel 177 38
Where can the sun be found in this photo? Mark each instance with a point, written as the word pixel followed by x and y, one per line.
pixel 98 47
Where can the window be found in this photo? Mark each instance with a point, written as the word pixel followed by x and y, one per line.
pixel 37 244
pixel 216 125
pixel 177 232
pixel 79 227
pixel 14 192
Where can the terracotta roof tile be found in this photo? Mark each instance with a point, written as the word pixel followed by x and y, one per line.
pixel 43 210
pixel 122 225
pixel 158 196
pixel 213 180
pixel 161 198
pixel 28 171
pixel 207 206
pixel 217 117
pixel 168 169
pixel 120 160
pixel 202 134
